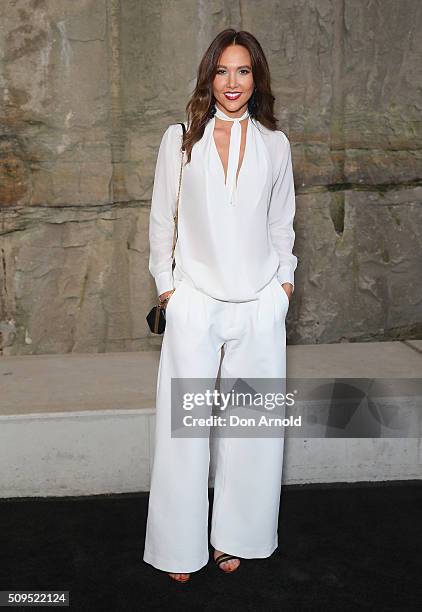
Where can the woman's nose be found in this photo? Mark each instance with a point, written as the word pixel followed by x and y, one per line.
pixel 232 81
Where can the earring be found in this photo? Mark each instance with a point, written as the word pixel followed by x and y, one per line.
pixel 212 110
pixel 253 104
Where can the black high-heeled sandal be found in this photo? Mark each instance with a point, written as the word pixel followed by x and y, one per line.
pixel 222 559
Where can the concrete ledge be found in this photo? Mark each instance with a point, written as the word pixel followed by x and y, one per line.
pixel 82 424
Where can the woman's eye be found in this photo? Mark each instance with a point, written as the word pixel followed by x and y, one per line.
pixel 243 71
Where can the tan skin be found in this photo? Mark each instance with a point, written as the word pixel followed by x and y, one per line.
pixel 234 73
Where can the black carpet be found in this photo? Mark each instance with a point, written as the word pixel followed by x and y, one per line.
pixel 340 548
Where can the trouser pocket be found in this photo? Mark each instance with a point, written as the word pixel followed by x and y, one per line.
pixel 170 303
pixel 283 298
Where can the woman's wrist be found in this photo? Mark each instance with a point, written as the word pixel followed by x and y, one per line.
pixel 288 288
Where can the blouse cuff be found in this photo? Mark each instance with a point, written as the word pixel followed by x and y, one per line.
pixel 286 275
pixel 164 282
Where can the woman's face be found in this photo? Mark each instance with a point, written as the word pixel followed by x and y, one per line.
pixel 234 74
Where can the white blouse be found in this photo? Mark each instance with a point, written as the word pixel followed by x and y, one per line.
pixel 228 247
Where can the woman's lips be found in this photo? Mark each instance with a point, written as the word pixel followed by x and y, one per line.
pixel 233 96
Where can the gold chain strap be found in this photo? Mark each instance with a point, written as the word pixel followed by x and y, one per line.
pixel 175 218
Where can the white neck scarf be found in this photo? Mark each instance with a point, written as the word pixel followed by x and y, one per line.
pixel 234 151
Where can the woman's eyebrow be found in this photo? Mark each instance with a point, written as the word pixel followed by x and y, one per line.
pixel 222 66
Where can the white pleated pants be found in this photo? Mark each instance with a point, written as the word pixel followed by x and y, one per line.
pixel 248 471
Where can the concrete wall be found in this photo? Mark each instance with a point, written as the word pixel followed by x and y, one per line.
pixel 87 88
pixel 110 451
pixel 79 424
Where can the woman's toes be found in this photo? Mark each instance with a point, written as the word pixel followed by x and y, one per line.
pixel 180 577
pixel 229 565
pixel 232 564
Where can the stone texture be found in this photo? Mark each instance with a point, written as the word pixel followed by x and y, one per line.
pixel 77 281
pixel 88 87
pixel 360 273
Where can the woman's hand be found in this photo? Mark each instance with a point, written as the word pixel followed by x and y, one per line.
pixel 288 288
pixel 164 297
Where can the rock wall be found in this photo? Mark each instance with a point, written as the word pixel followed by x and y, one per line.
pixel 87 87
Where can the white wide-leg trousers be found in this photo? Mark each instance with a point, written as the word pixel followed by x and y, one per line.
pixel 248 472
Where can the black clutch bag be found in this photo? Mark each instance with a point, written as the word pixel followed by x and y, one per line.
pixel 156 318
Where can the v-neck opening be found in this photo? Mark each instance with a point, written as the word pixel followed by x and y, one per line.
pixel 220 160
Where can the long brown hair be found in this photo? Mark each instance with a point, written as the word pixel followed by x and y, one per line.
pixel 199 109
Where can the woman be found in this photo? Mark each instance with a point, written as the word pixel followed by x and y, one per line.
pixel 230 289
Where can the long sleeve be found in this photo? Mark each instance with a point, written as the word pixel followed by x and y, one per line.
pixel 281 213
pixel 163 209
